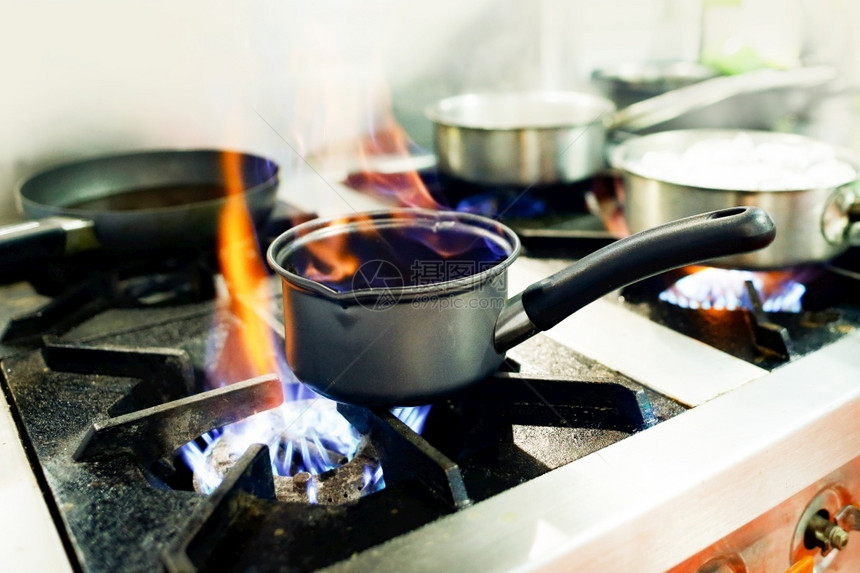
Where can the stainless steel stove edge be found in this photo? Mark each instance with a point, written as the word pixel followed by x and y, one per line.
pixel 650 501
pixel 29 540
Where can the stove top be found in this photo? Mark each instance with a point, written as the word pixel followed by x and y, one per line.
pixel 590 433
pixel 106 404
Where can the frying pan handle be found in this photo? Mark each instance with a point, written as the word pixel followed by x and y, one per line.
pixel 683 242
pixel 44 238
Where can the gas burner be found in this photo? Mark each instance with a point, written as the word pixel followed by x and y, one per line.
pixel 555 220
pixel 726 289
pixel 65 292
pixel 122 404
pixel 438 191
pixel 512 203
pixel 317 456
pixel 477 425
pixel 83 290
pixel 343 482
pixel 760 317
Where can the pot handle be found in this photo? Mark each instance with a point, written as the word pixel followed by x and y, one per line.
pixel 683 242
pixel 52 236
pixel 661 108
pixel 854 224
pixel 840 217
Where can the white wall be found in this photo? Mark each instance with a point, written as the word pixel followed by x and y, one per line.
pixel 92 76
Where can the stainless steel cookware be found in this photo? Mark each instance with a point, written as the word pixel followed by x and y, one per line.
pixel 545 137
pixel 813 223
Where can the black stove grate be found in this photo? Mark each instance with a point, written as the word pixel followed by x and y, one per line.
pixel 106 379
pixel 88 289
pixel 102 418
pixel 766 339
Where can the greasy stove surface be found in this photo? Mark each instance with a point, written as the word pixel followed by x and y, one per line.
pixel 131 506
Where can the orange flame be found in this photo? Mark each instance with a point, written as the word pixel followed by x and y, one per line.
pixel 388 140
pixel 243 271
pixel 693 269
pixel 332 253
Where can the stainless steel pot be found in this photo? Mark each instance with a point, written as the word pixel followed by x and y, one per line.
pixel 402 342
pixel 813 224
pixel 533 138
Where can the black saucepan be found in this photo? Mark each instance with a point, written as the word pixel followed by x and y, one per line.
pixel 141 202
pixel 399 307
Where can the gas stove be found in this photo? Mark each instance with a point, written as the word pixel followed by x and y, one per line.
pixel 623 439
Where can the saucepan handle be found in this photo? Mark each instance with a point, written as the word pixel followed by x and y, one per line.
pixel 43 238
pixel 683 242
pixel 670 105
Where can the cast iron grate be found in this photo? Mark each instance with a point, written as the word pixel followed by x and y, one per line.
pixel 80 292
pixel 767 339
pixel 104 419
pixel 420 479
pixel 85 286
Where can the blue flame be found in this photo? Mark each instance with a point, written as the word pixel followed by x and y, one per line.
pixel 305 434
pixel 492 203
pixel 373 480
pixel 311 490
pixel 723 289
pixel 414 418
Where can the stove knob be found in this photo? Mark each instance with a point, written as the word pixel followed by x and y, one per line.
pixel 825 534
pixel 828 534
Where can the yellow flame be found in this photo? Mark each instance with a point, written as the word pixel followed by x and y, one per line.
pixel 388 138
pixel 243 270
pixel 359 134
pixel 332 259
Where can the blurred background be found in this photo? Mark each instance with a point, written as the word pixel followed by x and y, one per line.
pixel 287 78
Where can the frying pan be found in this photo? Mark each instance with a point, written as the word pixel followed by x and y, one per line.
pixel 382 335
pixel 549 137
pixel 815 222
pixel 143 202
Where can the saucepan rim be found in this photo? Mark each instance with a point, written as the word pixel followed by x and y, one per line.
pixel 576 109
pixel 482 227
